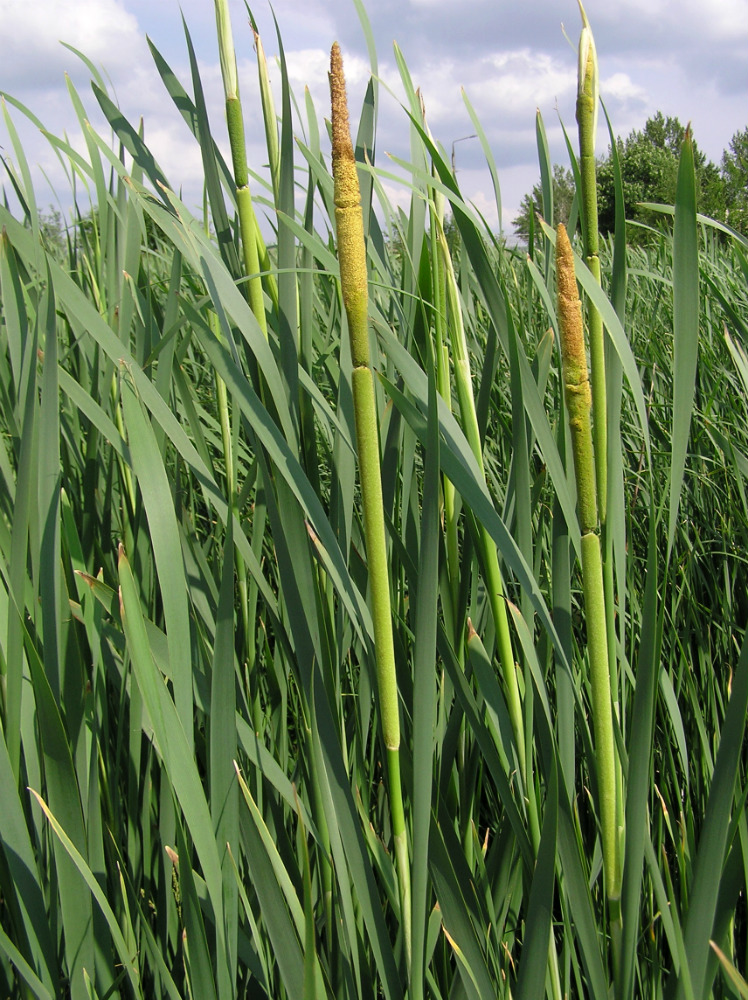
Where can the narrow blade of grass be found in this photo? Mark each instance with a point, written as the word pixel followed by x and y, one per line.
pixel 685 324
pixel 713 839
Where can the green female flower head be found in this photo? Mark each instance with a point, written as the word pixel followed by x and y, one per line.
pixel 588 87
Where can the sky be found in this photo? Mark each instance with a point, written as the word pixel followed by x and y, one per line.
pixel 686 58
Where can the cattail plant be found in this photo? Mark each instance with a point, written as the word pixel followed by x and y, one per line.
pixel 441 351
pixel 587 108
pixel 588 100
pixel 235 121
pixel 495 586
pixel 268 111
pixel 579 405
pixel 125 418
pixel 353 281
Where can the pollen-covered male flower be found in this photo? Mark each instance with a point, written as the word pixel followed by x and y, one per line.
pixel 348 217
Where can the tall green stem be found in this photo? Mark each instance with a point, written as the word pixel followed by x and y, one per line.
pixel 587 106
pixel 354 285
pixel 494 584
pixel 579 404
pixel 235 121
pixel 441 354
pixel 588 100
pixel 268 113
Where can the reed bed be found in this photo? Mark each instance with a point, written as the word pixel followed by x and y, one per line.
pixel 263 738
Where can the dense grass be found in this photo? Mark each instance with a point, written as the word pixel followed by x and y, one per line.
pixel 196 800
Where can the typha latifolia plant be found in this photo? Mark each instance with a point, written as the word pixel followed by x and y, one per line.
pixel 588 103
pixel 579 408
pixel 354 288
pixel 248 228
pixel 601 607
pixel 349 798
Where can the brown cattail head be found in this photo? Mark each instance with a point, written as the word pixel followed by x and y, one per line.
pixel 350 223
pixel 576 381
pixel 570 312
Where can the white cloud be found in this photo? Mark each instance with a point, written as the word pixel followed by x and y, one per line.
pixel 709 21
pixel 486 205
pixel 621 87
pixel 502 86
pixel 525 80
pixel 398 196
pixel 30 50
pixel 307 69
pixel 725 19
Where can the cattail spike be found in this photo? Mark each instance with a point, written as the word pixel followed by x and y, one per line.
pixel 576 381
pixel 353 282
pixel 350 222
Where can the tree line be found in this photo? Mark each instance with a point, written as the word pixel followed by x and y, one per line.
pixel 648 160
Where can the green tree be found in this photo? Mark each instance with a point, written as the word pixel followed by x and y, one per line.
pixel 563 196
pixel 734 175
pixel 53 233
pixel 452 234
pixel 649 172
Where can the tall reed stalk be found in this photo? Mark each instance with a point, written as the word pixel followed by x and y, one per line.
pixel 579 406
pixel 489 554
pixel 588 98
pixel 354 285
pixel 235 120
